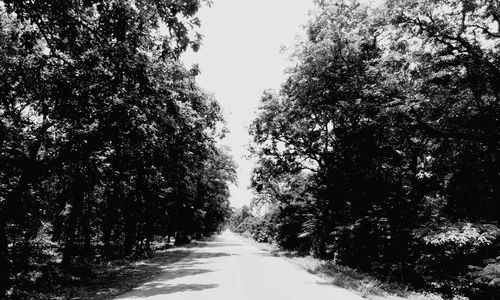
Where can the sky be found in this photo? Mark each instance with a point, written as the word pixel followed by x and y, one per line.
pixel 241 56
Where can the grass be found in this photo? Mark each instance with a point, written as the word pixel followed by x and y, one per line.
pixel 98 281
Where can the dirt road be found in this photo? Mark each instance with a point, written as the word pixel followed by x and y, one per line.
pixel 229 267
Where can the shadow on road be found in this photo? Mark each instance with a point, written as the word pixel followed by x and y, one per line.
pixel 224 244
pixel 265 254
pixel 192 257
pixel 165 289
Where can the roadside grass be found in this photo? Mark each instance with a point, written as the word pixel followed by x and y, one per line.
pixel 358 282
pixel 98 280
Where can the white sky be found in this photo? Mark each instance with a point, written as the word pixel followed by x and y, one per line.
pixel 240 57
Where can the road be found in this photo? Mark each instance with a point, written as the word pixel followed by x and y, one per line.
pixel 229 267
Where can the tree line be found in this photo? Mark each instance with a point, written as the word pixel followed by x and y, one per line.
pixel 106 141
pixel 381 150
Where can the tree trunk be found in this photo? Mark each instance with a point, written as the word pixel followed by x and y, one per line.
pixel 11 207
pixel 57 227
pixel 87 232
pixel 69 250
pixel 4 259
pixel 495 206
pixel 106 238
pixel 148 235
pixel 130 233
pixel 108 222
pixel 107 231
pixel 58 223
pixel 139 239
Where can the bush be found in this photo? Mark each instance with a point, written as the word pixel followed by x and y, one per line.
pixel 453 253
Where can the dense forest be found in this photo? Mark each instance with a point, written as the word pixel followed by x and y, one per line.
pixel 106 142
pixel 381 150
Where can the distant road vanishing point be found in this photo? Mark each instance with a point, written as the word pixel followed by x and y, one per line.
pixel 228 267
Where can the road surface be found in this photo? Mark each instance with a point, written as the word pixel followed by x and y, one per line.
pixel 229 267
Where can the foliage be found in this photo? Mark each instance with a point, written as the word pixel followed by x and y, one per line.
pixel 244 221
pixel 489 275
pixel 462 235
